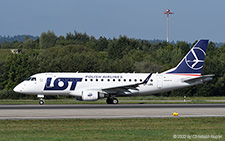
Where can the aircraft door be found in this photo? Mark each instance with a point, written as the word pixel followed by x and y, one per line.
pixel 159 81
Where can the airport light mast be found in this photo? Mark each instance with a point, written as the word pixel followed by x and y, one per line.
pixel 168 12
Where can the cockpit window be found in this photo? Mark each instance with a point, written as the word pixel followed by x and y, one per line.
pixel 28 79
pixel 33 79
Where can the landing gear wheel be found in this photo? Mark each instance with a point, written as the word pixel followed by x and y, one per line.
pixel 109 101
pixel 41 102
pixel 115 101
pixel 112 101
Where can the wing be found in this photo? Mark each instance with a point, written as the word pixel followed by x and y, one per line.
pixel 125 88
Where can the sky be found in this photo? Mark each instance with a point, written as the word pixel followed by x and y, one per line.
pixel 139 19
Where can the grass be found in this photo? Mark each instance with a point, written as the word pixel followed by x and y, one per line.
pixel 152 97
pixel 111 129
pixel 50 101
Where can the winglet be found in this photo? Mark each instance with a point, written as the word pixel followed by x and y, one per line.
pixel 146 80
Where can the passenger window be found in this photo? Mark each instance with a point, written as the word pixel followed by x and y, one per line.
pixel 124 80
pixel 140 80
pixel 108 79
pixel 113 79
pixel 96 79
pixel 102 79
pixel 85 79
pixel 135 80
pixel 130 80
pixel 119 80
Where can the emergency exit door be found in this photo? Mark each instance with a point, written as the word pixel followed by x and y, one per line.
pixel 159 81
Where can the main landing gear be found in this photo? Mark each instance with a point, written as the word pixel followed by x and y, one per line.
pixel 41 101
pixel 113 100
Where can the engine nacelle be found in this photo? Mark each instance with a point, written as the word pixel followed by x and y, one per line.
pixel 90 95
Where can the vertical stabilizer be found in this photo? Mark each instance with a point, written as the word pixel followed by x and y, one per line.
pixel 193 62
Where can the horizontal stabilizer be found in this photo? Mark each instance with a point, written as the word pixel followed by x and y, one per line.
pixel 202 78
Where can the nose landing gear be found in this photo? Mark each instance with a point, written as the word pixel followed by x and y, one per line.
pixel 41 101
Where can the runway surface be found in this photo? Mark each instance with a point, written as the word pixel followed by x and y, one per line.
pixel 99 111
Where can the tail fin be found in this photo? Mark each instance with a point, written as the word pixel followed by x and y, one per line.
pixel 192 63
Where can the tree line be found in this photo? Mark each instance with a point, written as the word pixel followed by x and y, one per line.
pixel 83 53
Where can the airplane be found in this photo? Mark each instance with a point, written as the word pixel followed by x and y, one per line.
pixel 94 86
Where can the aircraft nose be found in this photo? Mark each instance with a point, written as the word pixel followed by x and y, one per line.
pixel 18 89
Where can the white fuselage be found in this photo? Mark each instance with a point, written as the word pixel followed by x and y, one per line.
pixel 74 83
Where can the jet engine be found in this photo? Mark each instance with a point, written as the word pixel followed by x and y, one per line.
pixel 91 95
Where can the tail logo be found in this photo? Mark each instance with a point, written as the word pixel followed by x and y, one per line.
pixel 195 58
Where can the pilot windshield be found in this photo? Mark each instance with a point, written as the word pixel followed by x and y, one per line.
pixel 31 79
pixel 28 79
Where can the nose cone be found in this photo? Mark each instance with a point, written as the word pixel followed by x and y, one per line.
pixel 18 89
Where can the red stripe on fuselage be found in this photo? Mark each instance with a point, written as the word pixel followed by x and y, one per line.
pixel 186 74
